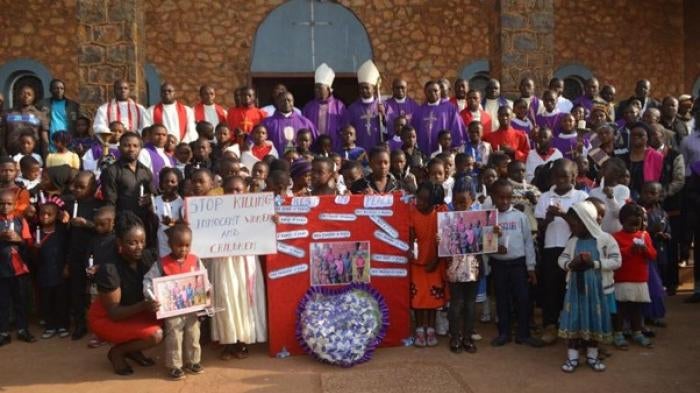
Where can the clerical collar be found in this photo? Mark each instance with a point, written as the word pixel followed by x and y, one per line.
pixel 287 115
pixel 400 100
pixel 436 103
pixel 367 100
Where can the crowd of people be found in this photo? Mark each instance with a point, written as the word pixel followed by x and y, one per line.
pixel 594 202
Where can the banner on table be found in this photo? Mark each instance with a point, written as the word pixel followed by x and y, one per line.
pixel 346 240
pixel 227 225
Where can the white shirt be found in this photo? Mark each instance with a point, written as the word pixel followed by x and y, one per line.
pixel 211 115
pixel 516 237
pixel 491 107
pixel 564 105
pixel 139 116
pixel 171 121
pixel 160 210
pixel 558 231
pixel 611 222
pixel 90 161
pixel 534 160
pixel 270 110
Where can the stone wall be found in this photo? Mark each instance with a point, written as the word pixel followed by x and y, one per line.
pixel 45 32
pixel 410 38
pixel 623 41
pixel 110 47
pixel 526 43
pixel 691 29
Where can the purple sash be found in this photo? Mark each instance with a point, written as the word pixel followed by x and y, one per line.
pixel 157 163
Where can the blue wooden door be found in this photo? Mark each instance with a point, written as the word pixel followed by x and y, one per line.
pixel 299 35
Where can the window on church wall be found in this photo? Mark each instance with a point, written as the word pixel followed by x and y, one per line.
pixel 573 87
pixel 22 79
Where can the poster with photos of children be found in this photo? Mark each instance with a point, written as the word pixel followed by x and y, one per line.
pixel 467 232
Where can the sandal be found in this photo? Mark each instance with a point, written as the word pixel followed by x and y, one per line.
pixel 140 359
pixel 595 364
pixel 240 351
pixel 642 340
pixel 620 343
pixel 126 370
pixel 455 345
pixel 569 365
pixel 176 374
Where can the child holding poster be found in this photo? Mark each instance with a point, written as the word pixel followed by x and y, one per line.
pixel 182 331
pixel 463 272
pixel 427 283
pixel 238 289
pixel 167 206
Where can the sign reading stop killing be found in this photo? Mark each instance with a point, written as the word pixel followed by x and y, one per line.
pixel 228 225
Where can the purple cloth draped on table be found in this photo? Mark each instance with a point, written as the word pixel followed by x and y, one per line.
pixel 429 120
pixel 331 123
pixel 276 123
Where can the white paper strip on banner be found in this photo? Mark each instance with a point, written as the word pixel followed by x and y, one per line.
pixel 388 272
pixel 285 248
pixel 311 201
pixel 400 244
pixel 342 199
pixel 331 235
pixel 379 200
pixel 399 259
pixel 374 212
pixel 337 217
pixel 381 223
pixel 293 209
pixel 300 234
pixel 293 220
pixel 288 271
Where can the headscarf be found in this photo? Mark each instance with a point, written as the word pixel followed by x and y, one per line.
pixel 299 168
pixel 588 214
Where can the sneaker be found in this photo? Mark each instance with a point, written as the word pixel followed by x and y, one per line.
pixel 432 338
pixel 5 339
pixel 619 341
pixel 469 346
pixel 194 368
pixel 63 333
pixel 24 335
pixel 485 318
pixel 531 341
pixel 476 336
pixel 500 341
pixel 550 335
pixel 48 333
pixel 176 374
pixel 419 338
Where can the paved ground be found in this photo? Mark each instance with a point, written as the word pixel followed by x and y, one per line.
pixel 63 366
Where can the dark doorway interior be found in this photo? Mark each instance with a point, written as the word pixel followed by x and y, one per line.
pixel 344 88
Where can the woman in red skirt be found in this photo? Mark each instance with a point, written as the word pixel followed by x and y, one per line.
pixel 120 314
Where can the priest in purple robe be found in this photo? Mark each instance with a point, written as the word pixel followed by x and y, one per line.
pixel 400 104
pixel 590 95
pixel 283 126
pixel 527 92
pixel 435 116
pixel 325 111
pixel 367 114
pixel 153 156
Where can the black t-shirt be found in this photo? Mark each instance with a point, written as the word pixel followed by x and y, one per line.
pixel 78 250
pixel 118 274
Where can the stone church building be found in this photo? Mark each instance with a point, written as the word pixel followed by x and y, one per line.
pixel 90 43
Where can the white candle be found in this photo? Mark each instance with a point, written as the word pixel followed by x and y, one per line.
pixel 153 203
pixel 91 261
pixel 167 209
pixel 151 294
pixel 42 198
pixel 38 235
pixel 141 190
pixel 75 209
pixel 12 226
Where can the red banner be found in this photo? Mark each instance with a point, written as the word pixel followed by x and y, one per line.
pixel 331 241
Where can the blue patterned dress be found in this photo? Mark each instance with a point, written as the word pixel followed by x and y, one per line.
pixel 585 314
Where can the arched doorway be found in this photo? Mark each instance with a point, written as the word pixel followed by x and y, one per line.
pixel 297 37
pixel 478 74
pixel 574 77
pixel 23 79
pixel 18 73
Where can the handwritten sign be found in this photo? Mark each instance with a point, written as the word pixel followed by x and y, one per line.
pixel 227 225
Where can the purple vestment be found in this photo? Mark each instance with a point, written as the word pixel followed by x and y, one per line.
pixel 157 164
pixel 550 120
pixel 276 124
pixel 566 144
pixel 429 120
pixel 327 117
pixel 406 108
pixel 365 118
pixel 585 102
